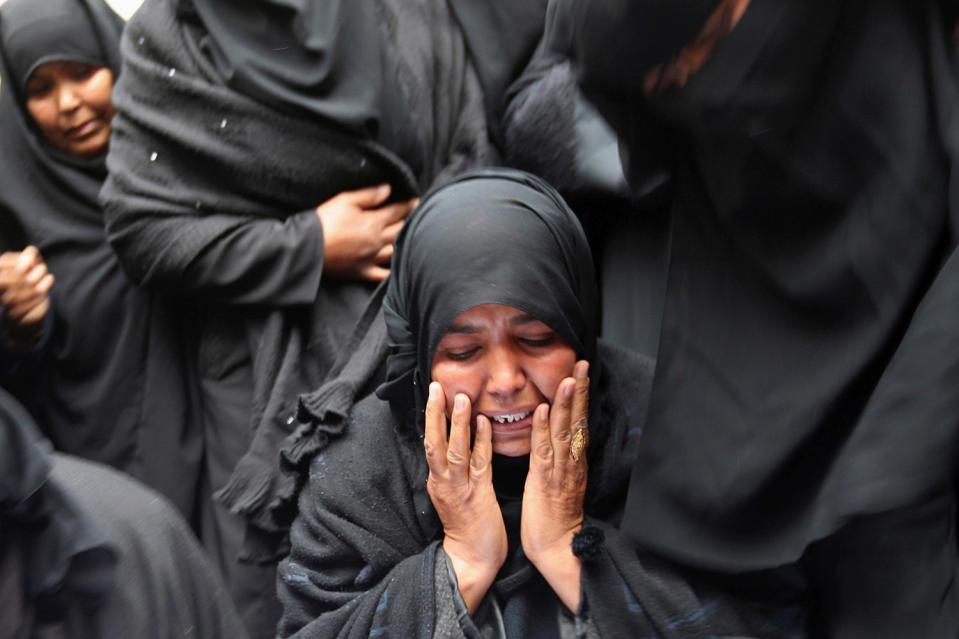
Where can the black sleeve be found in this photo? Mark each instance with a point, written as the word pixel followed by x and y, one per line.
pixel 359 562
pixel 238 260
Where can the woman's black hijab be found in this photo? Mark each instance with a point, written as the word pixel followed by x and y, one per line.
pixel 32 33
pixel 324 59
pixel 493 236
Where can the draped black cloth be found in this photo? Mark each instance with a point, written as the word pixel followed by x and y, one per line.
pixel 212 193
pixel 111 386
pixel 86 552
pixel 52 552
pixel 807 361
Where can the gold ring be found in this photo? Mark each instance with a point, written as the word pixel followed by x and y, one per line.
pixel 578 446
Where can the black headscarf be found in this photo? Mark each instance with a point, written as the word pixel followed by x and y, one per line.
pixel 32 33
pixel 494 236
pixel 325 59
pixel 111 376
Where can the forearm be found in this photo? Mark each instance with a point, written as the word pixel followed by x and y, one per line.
pixel 263 262
pixel 232 259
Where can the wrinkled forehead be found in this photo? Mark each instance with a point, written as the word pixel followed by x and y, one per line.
pixel 33 32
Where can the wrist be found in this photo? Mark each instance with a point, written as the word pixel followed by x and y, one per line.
pixel 562 570
pixel 559 545
pixel 473 577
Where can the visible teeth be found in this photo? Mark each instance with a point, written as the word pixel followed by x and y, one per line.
pixel 509 419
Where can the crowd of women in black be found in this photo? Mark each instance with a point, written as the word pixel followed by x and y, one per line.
pixel 446 318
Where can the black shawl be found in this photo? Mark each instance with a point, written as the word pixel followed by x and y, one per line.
pixel 212 193
pixel 87 552
pixel 111 385
pixel 300 56
pixel 52 552
pixel 805 349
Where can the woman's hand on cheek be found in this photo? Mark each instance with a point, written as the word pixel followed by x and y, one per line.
pixel 460 486
pixel 556 485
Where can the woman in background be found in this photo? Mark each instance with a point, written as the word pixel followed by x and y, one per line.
pixel 111 383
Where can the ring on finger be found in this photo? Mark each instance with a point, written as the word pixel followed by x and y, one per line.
pixel 578 445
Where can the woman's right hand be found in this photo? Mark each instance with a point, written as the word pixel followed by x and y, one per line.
pixel 460 486
pixel 24 294
pixel 358 232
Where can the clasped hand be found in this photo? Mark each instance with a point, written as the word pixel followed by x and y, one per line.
pixel 24 288
pixel 460 485
pixel 359 231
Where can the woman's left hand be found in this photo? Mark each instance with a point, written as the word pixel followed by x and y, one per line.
pixel 556 485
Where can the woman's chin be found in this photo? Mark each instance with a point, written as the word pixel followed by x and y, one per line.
pixel 513 444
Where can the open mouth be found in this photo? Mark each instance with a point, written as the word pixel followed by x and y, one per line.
pixel 510 418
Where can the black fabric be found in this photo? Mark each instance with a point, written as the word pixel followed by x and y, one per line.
pixel 33 34
pixel 229 232
pixel 111 385
pixel 553 282
pixel 798 385
pixel 86 552
pixel 164 585
pixel 652 31
pixel 551 130
pixel 501 37
pixel 54 553
pixel 191 207
pixel 364 550
pixel 326 60
pixel 12 237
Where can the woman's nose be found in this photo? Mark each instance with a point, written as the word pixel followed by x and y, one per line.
pixel 68 99
pixel 505 375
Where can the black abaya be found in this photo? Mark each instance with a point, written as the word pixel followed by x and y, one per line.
pixel 112 384
pixel 804 342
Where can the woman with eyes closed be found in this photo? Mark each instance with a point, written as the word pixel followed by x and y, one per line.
pixel 110 383
pixel 488 473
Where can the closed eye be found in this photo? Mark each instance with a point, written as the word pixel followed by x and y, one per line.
pixel 461 356
pixel 536 342
pixel 38 88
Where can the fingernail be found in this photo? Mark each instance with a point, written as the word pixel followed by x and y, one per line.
pixel 460 404
pixel 569 387
pixel 543 412
pixel 581 370
pixel 434 390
